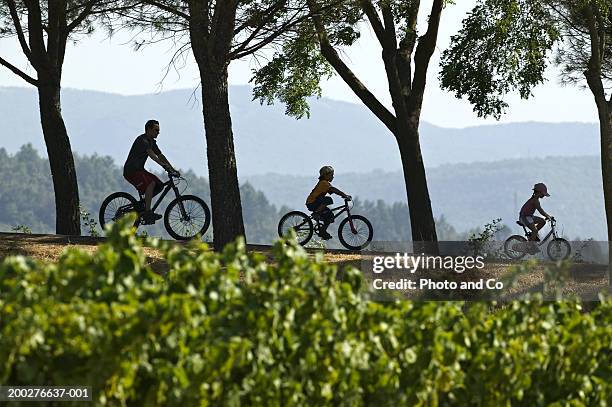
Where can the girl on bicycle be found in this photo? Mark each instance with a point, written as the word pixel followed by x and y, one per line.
pixel 526 215
pixel 317 201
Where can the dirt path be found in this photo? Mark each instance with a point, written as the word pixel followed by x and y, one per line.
pixel 583 279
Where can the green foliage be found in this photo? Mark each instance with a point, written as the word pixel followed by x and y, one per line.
pixel 88 223
pixel 502 47
pixel 293 75
pixel 297 69
pixel 22 229
pixel 478 240
pixel 231 329
pixel 482 241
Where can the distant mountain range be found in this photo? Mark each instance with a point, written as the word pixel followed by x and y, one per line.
pixel 342 134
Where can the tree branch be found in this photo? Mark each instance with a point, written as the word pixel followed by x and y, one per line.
pixel 424 51
pixel 270 12
pixel 19 72
pixel 19 30
pixel 223 25
pixel 406 48
pixel 82 16
pixel 240 50
pixel 372 15
pixel 331 55
pixel 169 9
pixel 54 12
pixel 35 33
pixel 389 54
pixel 389 25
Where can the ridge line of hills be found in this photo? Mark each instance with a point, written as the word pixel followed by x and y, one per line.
pixel 339 133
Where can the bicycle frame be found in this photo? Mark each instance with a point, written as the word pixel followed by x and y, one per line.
pixel 342 209
pixel 168 185
pixel 551 232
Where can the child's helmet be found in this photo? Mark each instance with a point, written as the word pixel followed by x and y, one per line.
pixel 541 187
pixel 328 169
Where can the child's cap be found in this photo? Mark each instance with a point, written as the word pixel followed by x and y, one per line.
pixel 541 187
pixel 328 169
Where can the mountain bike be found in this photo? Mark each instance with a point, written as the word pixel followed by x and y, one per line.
pixel 185 217
pixel 516 246
pixel 355 231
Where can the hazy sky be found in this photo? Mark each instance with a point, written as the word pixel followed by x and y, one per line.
pixel 111 65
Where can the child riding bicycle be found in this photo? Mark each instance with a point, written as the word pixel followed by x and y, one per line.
pixel 526 215
pixel 146 183
pixel 317 201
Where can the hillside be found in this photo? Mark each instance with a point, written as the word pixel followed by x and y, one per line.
pixel 345 135
pixel 470 195
pixel 465 196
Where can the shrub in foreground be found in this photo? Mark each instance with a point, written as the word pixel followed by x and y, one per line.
pixel 233 328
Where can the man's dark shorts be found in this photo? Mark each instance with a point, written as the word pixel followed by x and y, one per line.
pixel 142 179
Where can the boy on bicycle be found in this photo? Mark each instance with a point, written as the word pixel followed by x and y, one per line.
pixel 526 215
pixel 146 183
pixel 317 201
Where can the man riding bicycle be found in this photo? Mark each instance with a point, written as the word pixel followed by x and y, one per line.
pixel 145 146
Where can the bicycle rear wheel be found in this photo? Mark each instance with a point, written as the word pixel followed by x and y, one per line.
pixel 558 249
pixel 116 206
pixel 514 247
pixel 298 222
pixel 186 217
pixel 358 236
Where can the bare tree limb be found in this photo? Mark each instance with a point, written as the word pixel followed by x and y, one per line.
pixel 170 10
pixel 18 72
pixel 390 37
pixel 424 51
pixel 19 30
pixel 82 15
pixel 372 15
pixel 593 72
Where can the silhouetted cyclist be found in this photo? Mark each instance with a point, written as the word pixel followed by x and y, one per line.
pixel 317 201
pixel 146 183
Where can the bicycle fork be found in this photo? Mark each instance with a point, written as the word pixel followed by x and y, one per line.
pixel 180 204
pixel 348 212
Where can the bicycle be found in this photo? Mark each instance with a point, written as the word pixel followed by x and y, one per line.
pixel 516 246
pixel 355 231
pixel 185 217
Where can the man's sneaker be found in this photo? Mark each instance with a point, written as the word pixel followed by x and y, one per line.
pixel 325 235
pixel 150 217
pixel 139 206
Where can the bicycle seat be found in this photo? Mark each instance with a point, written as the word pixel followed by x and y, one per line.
pixel 518 222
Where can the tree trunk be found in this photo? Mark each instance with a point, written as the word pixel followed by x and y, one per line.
pixel 421 215
pixel 605 129
pixel 61 161
pixel 224 189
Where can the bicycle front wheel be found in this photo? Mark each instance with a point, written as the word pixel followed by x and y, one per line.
pixel 355 232
pixel 558 249
pixel 186 217
pixel 300 223
pixel 115 206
